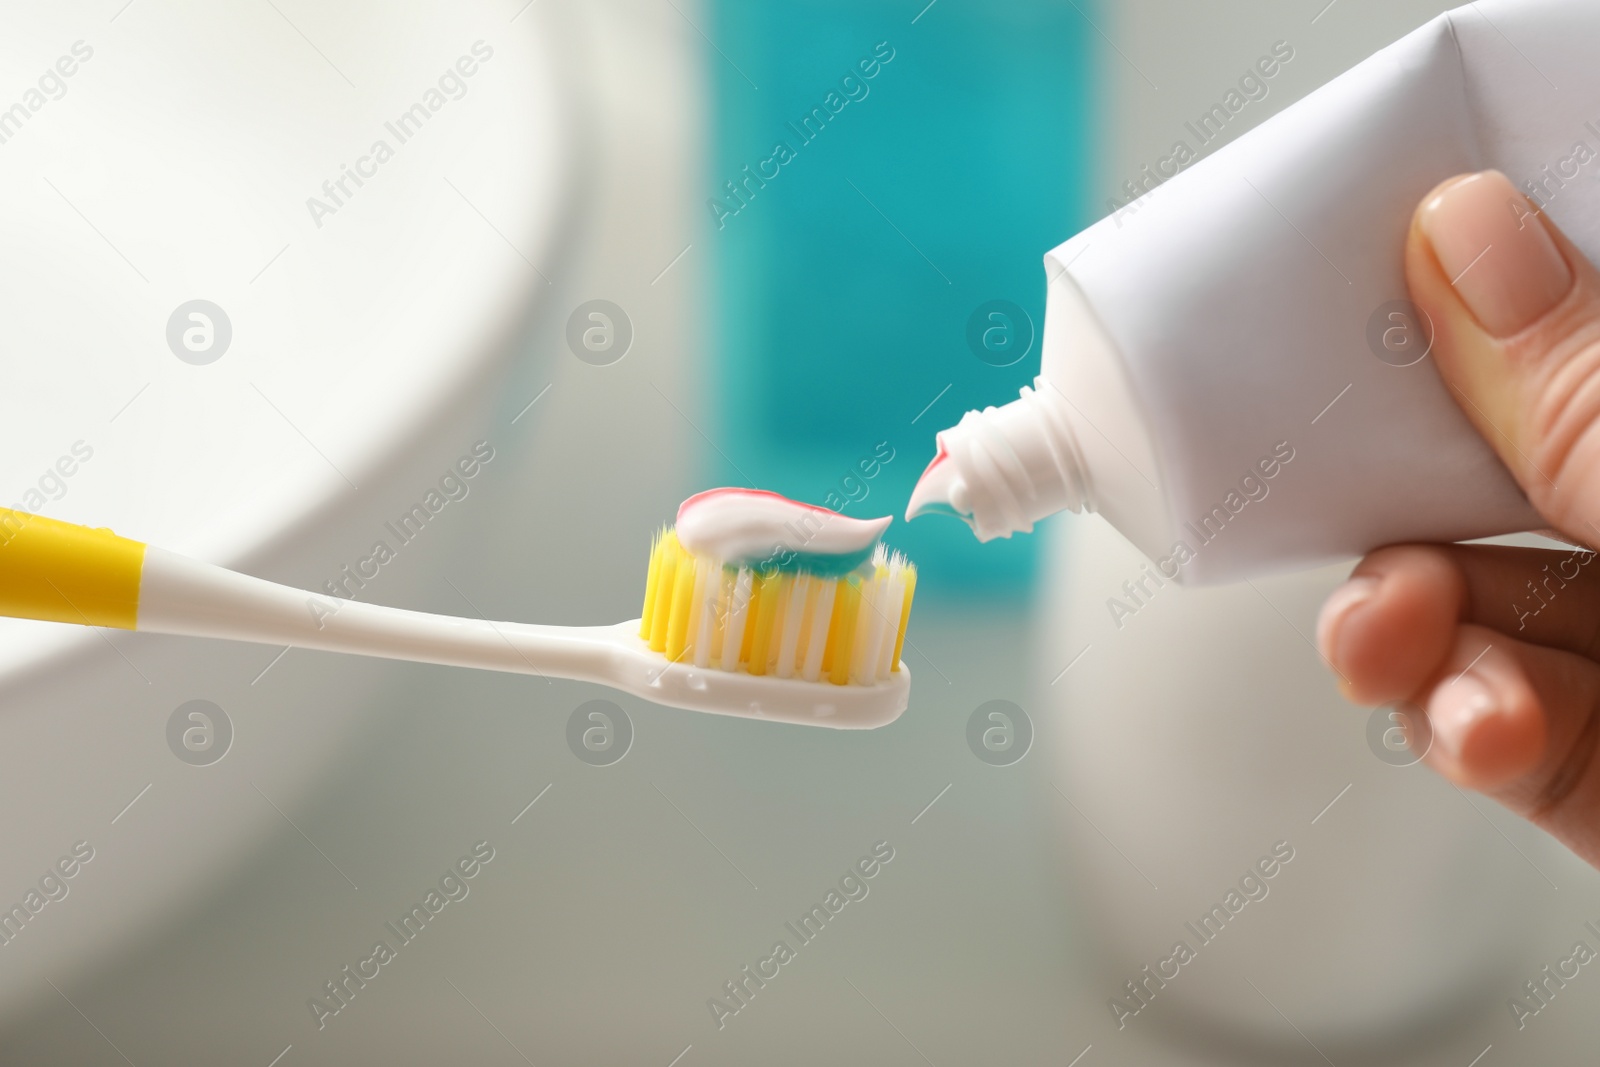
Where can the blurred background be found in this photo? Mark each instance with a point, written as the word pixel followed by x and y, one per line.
pixel 807 332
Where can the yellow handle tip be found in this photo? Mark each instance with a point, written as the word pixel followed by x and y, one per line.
pixel 60 572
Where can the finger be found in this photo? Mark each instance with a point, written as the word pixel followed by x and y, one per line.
pixel 1545 597
pixel 1387 630
pixel 1518 722
pixel 1516 312
pixel 1490 728
pixel 1389 627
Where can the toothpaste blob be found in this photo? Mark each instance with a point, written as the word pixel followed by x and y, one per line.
pixel 767 532
pixel 940 490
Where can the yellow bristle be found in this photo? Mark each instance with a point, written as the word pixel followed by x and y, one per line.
pixel 780 615
pixel 796 625
pixel 905 615
pixel 681 608
pixel 841 635
pixel 807 615
pixel 835 620
pixel 893 602
pixel 648 616
pixel 764 603
pixel 703 611
pixel 664 586
pixel 750 610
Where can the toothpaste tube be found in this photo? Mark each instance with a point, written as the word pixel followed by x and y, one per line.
pixel 1233 376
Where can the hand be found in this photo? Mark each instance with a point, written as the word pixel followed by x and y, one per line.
pixel 1499 647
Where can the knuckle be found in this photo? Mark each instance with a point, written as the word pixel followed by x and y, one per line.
pixel 1562 419
pixel 1571 770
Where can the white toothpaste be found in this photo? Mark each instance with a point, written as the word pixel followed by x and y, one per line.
pixel 759 529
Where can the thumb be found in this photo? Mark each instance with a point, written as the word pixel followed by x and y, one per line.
pixel 1516 313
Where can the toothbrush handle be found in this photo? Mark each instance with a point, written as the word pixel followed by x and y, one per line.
pixel 58 571
pixel 186 597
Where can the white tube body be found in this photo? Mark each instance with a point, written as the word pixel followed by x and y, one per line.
pixel 1242 383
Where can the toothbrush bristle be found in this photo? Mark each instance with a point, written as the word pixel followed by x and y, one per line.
pixel 845 630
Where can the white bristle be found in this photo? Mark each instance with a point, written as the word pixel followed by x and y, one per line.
pixel 697 584
pixel 738 613
pixel 817 642
pixel 724 597
pixel 789 636
pixel 863 658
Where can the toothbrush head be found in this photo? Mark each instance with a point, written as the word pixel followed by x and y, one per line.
pixel 777 638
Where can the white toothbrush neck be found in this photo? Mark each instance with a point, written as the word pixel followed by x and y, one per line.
pixel 183 596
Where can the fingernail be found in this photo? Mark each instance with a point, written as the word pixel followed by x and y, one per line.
pixel 1345 602
pixel 1496 252
pixel 1456 709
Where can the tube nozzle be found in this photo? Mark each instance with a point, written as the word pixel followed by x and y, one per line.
pixel 1002 469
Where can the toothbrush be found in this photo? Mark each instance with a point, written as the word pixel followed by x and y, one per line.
pixel 755 606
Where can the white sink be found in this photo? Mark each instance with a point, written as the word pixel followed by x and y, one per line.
pixel 369 348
